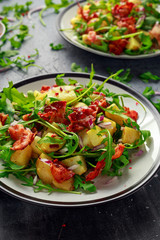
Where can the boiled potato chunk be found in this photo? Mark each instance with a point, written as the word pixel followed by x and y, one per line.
pixel 80 104
pixel 113 124
pixel 63 93
pixel 118 119
pixel 49 130
pixel 133 44
pixel 79 162
pixel 85 138
pixel 22 157
pixel 135 1
pixel 94 138
pixel 48 148
pixel 44 173
pixel 36 146
pixel 43 169
pixel 130 135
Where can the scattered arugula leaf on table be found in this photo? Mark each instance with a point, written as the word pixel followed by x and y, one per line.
pixel 56 47
pixel 149 93
pixel 148 76
pixel 77 68
pixel 20 62
pixel 50 4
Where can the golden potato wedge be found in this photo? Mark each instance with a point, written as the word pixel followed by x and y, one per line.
pixel 22 157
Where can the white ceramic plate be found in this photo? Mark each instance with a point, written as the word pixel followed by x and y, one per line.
pixel 69 35
pixel 2 29
pixel 135 175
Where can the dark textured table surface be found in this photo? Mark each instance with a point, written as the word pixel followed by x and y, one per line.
pixel 136 217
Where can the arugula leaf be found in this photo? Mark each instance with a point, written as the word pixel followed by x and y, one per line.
pixel 77 68
pixel 8 53
pixel 17 40
pixel 39 186
pixel 59 80
pixel 56 47
pixel 123 77
pixel 50 140
pixel 79 182
pixel 149 93
pixel 72 81
pixel 148 76
pixel 56 7
pixel 20 62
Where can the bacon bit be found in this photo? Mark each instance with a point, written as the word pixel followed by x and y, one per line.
pixel 3 118
pixel 26 117
pixel 118 151
pixel 54 135
pixel 23 137
pixel 97 170
pixel 56 94
pixel 45 89
pixel 55 160
pixel 131 113
pixel 117 46
pixel 54 112
pixel 60 173
pixel 79 90
pixel 99 93
pixel 155 33
pixel 61 89
pixel 120 11
pixel 137 103
pixel 63 225
pixel 130 160
pixel 130 167
pixel 81 117
pixel 29 56
pixel 54 145
pixel 55 85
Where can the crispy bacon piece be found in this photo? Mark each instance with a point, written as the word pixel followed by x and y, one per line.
pixel 81 118
pixel 94 38
pixel 131 113
pixel 129 23
pixel 60 173
pixel 86 13
pixel 54 112
pixel 84 117
pixel 117 46
pixel 45 88
pixel 3 118
pixel 118 151
pixel 97 170
pixel 123 10
pixel 155 33
pixel 22 136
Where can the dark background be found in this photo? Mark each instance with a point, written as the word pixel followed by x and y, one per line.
pixel 136 217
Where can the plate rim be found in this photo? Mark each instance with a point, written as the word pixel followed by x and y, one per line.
pixel 94 51
pixel 5 188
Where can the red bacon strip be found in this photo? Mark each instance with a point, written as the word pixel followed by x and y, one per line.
pixel 3 118
pixel 60 173
pixel 93 174
pixel 54 112
pixel 22 136
pixel 131 113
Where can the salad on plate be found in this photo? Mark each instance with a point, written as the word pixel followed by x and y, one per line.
pixel 130 27
pixel 64 136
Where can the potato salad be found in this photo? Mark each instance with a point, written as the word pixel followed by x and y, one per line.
pixel 64 136
pixel 129 27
